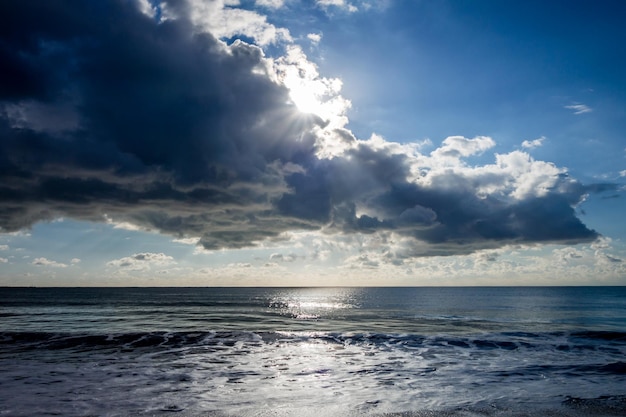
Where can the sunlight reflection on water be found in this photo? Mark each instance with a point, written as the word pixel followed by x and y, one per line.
pixel 315 303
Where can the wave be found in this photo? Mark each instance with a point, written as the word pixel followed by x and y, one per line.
pixel 557 341
pixel 194 372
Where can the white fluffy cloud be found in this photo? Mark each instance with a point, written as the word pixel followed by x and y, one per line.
pixel 315 38
pixel 342 4
pixel 142 261
pixel 224 21
pixel 456 147
pixel 272 4
pixel 279 257
pixel 535 143
pixel 48 263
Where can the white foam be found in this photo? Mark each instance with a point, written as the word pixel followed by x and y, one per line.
pixel 241 374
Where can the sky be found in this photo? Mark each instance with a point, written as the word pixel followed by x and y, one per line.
pixel 312 142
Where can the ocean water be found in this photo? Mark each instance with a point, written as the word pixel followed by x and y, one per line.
pixel 313 351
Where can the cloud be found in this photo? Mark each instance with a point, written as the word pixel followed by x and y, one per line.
pixel 485 258
pixel 272 4
pixel 622 173
pixel 187 240
pixel 455 147
pixel 216 143
pixel 52 117
pixel 157 124
pixel 279 257
pixel 315 38
pixel 341 4
pixel 142 261
pixel 366 261
pixel 605 258
pixel 48 262
pixel 600 248
pixel 535 143
pixel 3 260
pixel 4 247
pixel 354 5
pixel 239 265
pixel 579 108
pixel 315 95
pixel 224 21
pixel 121 225
pixel 568 254
pixel 440 200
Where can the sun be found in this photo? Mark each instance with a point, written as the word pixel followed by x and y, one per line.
pixel 309 92
pixel 306 96
pixel 319 97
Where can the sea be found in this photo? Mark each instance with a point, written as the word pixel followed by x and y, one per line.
pixel 484 351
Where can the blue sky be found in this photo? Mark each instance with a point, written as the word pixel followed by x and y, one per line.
pixel 328 142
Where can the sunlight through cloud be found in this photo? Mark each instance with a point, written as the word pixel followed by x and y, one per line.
pixel 309 92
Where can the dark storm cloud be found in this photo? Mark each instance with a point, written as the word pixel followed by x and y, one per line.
pixel 175 131
pixel 453 219
pixel 106 113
